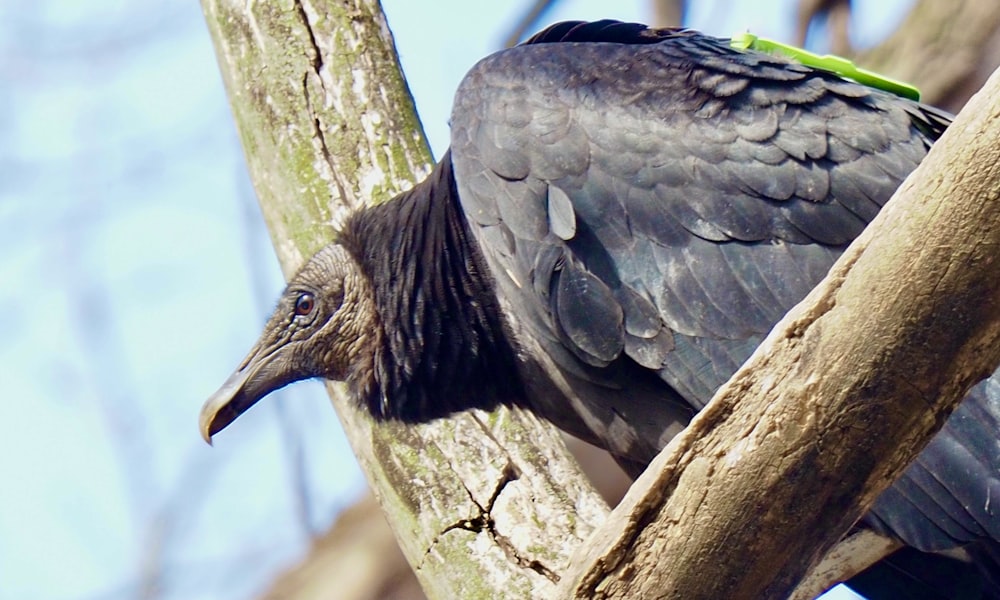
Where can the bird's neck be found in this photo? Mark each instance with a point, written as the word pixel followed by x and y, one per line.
pixel 444 346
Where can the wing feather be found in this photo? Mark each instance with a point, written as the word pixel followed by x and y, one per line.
pixel 654 208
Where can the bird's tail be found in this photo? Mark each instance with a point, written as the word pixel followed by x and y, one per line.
pixel 986 556
pixel 915 575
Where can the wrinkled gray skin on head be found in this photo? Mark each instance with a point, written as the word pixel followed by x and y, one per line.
pixel 324 326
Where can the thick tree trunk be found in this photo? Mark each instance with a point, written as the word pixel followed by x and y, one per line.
pixel 360 546
pixel 841 396
pixel 484 505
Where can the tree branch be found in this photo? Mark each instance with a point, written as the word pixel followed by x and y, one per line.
pixel 942 47
pixel 484 504
pixel 838 21
pixel 528 21
pixel 841 396
pixel 667 13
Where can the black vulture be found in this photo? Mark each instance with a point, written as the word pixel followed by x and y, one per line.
pixel 624 213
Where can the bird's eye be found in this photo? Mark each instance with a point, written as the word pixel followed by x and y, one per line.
pixel 304 304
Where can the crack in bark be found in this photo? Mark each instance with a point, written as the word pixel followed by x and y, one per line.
pixel 317 60
pixel 317 67
pixel 484 523
pixel 321 137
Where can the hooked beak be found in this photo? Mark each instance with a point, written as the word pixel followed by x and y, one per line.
pixel 224 406
pixel 248 384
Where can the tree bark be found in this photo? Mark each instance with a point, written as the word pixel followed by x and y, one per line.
pixel 947 48
pixel 484 504
pixel 839 398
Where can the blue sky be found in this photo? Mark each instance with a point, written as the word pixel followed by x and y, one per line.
pixel 136 272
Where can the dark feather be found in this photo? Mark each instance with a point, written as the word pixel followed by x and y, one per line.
pixel 623 216
pixel 446 347
pixel 717 187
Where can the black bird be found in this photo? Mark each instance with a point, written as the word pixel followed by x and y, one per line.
pixel 623 215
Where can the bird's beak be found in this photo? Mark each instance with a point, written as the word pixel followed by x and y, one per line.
pixel 241 391
pixel 223 406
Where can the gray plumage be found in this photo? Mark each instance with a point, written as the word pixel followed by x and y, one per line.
pixel 623 215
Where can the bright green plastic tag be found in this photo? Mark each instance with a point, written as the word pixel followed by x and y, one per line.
pixel 828 62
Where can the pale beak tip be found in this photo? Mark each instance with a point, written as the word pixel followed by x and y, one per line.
pixel 205 427
pixel 226 404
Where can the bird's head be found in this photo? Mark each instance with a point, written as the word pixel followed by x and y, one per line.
pixel 324 326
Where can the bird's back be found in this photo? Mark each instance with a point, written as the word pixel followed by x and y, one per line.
pixel 652 202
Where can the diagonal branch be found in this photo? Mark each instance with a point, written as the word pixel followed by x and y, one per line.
pixel 842 395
